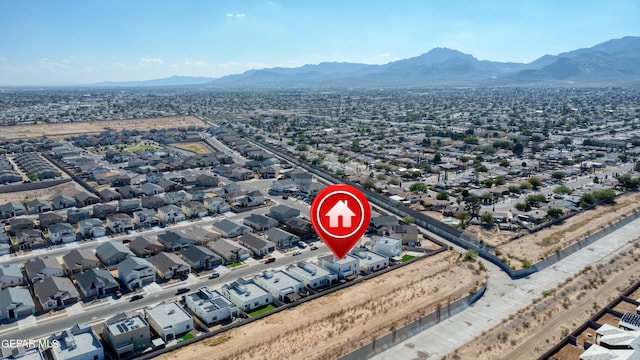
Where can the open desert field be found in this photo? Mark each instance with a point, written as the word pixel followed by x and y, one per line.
pixel 338 323
pixel 198 147
pixel 91 127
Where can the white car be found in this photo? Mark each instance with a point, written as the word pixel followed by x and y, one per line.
pixel 297 252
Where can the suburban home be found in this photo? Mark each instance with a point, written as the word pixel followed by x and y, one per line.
pixel 55 293
pixel 145 218
pixel 145 247
pixel 42 267
pixel 85 198
pixel 216 205
pixel 174 241
pixel 175 198
pixel 300 227
pixel 254 198
pixel 283 185
pixel 79 260
pixel 96 282
pixel 246 294
pixel 407 233
pixel 312 189
pixel 129 192
pixel 281 238
pixel 5 247
pixel 91 228
pixel 128 205
pixel 199 234
pixel 169 265
pixel 300 177
pixel 20 223
pixel 29 239
pixel 311 275
pixel 382 224
pixel 135 272
pixel 280 285
pixel 102 211
pixel 207 181
pixel 282 213
pixel 16 303
pixel 223 170
pixel 37 206
pixel 200 258
pixel 260 222
pixel 229 228
pixel 210 306
pixel 170 214
pixel 195 195
pixel 388 246
pixel 109 195
pixel 268 172
pixel 258 245
pixel 229 250
pixel 126 334
pixel 151 189
pixel 113 252
pixel 74 215
pixel 63 202
pixel 231 188
pixel 11 275
pixel 11 209
pixel 169 320
pixel 194 209
pixel 49 218
pixel 79 342
pixel 119 223
pixel 152 202
pixel 345 268
pixel 370 261
pixel 61 233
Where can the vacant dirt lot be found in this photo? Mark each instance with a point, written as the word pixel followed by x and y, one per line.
pixel 89 127
pixel 334 325
pixel 195 147
pixel 69 189
pixel 534 330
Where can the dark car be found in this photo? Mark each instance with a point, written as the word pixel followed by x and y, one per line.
pixel 313 247
pixel 182 290
pixel 136 297
pixel 270 260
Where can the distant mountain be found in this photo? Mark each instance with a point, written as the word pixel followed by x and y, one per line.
pixel 609 63
pixel 170 81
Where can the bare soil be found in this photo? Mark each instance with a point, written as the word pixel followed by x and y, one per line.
pixel 90 127
pixel 69 189
pixel 335 324
pixel 197 147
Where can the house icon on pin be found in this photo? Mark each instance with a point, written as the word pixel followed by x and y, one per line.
pixel 340 209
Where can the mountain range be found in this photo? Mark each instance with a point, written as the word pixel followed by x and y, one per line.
pixel 612 63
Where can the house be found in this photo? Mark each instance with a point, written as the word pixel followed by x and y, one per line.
pixel 280 285
pixel 79 260
pixel 300 177
pixel 61 233
pixel 63 202
pixel 29 239
pixel 91 228
pixel 260 222
pixel 17 224
pixel 231 188
pixel 37 206
pixel 311 275
pixel 223 170
pixel 126 334
pixel 174 241
pixel 268 172
pixel 254 198
pixel 74 215
pixel 246 294
pixel 42 267
pixel 79 342
pixel 113 252
pixel 229 228
pixel 145 218
pixel 312 189
pixel 194 209
pixel 370 261
pixel 207 181
pixel 281 238
pixel 216 205
pixel 152 202
pixel 49 218
pixel 258 245
pixel 407 233
pixel 55 293
pixel 85 198
pixel 229 250
pixel 11 275
pixel 169 320
pixel 11 209
pixel 284 185
pixel 135 272
pixel 145 247
pixel 96 282
pixel 119 223
pixel 381 224
pixel 175 198
pixel 128 205
pixel 300 227
pixel 169 265
pixel 347 267
pixel 195 195
pixel 16 303
pixel 200 258
pixel 151 189
pixel 102 211
pixel 210 306
pixel 282 213
pixel 199 234
pixel 170 214
pixel 109 195
pixel 129 192
pixel 388 246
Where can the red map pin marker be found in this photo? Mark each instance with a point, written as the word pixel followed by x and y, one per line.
pixel 340 214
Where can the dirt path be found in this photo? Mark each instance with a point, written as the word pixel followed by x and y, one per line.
pixel 534 330
pixel 335 324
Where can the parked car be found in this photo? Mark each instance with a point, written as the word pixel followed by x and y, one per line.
pixel 182 290
pixel 297 252
pixel 270 260
pixel 118 294
pixel 285 197
pixel 214 275
pixel 302 245
pixel 313 247
pixel 136 297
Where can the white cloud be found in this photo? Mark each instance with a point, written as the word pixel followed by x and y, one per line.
pixel 201 63
pixel 240 15
pixel 119 65
pixel 385 55
pixel 145 60
pixel 230 15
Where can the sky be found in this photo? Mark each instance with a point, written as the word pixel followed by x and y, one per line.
pixel 64 42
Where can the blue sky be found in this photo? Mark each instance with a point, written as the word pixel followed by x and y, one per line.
pixel 65 42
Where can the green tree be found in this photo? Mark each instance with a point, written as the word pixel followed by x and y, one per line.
pixel 607 196
pixel 418 187
pixel 554 213
pixel 558 175
pixel 470 255
pixel 522 206
pixel 514 189
pixel 462 216
pixel 355 145
pixel 499 181
pixel 504 163
pixel 487 183
pixel 535 182
pixel 563 190
pixel 526 186
pixel 534 199
pixel 518 149
pixel 487 218
pixel 408 220
pixel 442 195
pixel 302 147
pixel 437 159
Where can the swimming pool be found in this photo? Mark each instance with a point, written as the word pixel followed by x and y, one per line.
pixel 450 221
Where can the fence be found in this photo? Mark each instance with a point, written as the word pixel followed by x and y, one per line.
pixel 36 185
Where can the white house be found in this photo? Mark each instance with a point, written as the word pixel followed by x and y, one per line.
pixel 169 320
pixel 280 285
pixel 118 223
pixel 311 275
pixel 91 228
pixel 61 233
pixel 370 261
pixel 170 214
pixel 11 275
pixel 216 205
pixel 343 268
pixel 284 185
pixel 388 246
pixel 246 294
pixel 210 306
